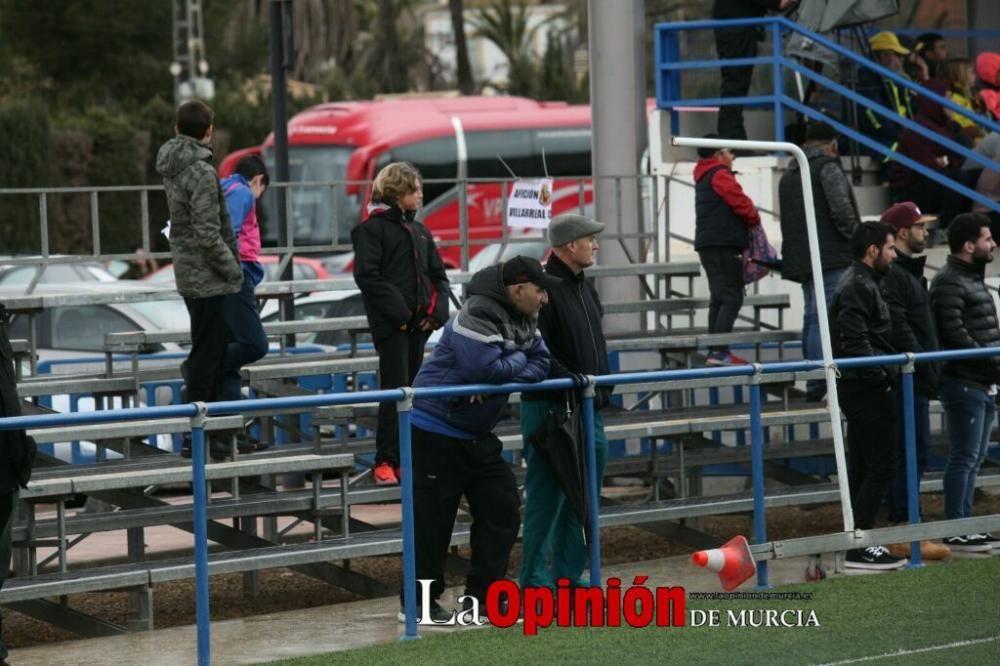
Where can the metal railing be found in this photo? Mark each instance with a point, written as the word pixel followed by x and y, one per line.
pixel 669 66
pixel 763 551
pixel 466 234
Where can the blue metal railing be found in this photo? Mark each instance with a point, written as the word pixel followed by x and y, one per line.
pixel 197 412
pixel 669 67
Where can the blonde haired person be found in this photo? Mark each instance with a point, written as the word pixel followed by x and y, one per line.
pixel 405 290
pixel 960 75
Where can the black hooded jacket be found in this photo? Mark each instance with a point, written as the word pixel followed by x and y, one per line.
pixel 399 272
pixel 905 290
pixel 570 324
pixel 966 319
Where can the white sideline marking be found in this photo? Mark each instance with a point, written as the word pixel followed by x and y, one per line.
pixel 902 653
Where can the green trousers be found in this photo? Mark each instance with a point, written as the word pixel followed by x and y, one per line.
pixel 550 527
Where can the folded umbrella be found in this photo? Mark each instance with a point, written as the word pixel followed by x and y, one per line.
pixel 559 440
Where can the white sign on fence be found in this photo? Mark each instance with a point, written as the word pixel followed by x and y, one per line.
pixel 530 203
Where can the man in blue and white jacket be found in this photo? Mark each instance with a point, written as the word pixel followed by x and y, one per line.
pixel 494 339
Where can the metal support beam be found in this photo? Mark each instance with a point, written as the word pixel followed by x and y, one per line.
pixel 66 618
pixel 618 108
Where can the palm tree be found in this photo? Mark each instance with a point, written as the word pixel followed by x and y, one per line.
pixel 506 25
pixel 465 83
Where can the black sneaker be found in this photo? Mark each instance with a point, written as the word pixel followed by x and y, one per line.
pixel 970 543
pixel 438 613
pixel 993 541
pixel 873 558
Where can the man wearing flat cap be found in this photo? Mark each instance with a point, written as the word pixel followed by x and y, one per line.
pixel 492 340
pixel 571 326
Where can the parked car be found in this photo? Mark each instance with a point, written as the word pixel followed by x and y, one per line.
pixel 303 268
pixel 22 275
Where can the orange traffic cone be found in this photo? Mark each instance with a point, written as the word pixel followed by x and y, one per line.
pixel 732 561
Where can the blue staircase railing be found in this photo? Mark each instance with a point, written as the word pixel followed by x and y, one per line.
pixel 669 96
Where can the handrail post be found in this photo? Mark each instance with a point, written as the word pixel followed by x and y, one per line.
pixel 779 87
pixel 757 470
pixel 200 533
pixel 593 483
pixel 404 410
pixel 910 444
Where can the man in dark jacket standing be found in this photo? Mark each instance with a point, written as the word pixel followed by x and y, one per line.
pixel 740 42
pixel 206 261
pixel 967 319
pixel 405 289
pixel 837 216
pixel 723 212
pixel 17 454
pixel 904 288
pixel 570 324
pixel 493 340
pixel 861 326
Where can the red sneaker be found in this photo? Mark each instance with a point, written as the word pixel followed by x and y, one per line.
pixel 725 358
pixel 385 475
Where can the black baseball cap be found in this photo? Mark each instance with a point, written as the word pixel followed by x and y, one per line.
pixel 523 269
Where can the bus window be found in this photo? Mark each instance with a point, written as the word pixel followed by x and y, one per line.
pixel 435 159
pixel 567 151
pixel 513 146
pixel 312 205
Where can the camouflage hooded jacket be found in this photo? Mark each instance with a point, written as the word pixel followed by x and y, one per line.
pixel 201 234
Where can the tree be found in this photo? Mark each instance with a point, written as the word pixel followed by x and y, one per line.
pixel 109 51
pixel 465 83
pixel 507 26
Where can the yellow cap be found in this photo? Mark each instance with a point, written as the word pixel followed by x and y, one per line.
pixel 887 41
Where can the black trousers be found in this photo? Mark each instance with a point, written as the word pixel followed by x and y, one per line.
pixel 871 447
pixel 399 359
pixel 8 502
pixel 724 270
pixel 735 43
pixel 445 469
pixel 209 339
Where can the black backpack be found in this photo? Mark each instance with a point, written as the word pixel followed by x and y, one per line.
pixel 17 448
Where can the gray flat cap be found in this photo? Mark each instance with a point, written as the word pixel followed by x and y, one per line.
pixel 568 228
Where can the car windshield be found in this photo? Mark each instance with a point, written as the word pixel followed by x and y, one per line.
pixel 56 274
pixel 317 210
pixel 495 252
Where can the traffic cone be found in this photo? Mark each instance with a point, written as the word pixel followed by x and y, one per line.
pixel 732 561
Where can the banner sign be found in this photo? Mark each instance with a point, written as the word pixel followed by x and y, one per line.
pixel 530 203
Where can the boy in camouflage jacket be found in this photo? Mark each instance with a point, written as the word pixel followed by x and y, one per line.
pixel 202 244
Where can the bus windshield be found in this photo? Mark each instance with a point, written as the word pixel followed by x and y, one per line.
pixel 321 210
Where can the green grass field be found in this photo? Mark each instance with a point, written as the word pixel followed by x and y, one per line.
pixel 909 617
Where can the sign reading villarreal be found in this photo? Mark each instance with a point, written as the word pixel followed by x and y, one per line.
pixel 530 204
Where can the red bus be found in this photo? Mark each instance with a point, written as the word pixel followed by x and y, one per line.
pixel 348 142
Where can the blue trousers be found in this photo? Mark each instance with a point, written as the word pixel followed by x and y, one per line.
pixel 246 341
pixel 812 347
pixel 969 413
pixel 550 526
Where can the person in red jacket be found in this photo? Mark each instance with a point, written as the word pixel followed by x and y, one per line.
pixel 723 214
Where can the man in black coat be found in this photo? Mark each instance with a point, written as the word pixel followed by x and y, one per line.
pixel 17 454
pixel 905 290
pixel 837 215
pixel 405 289
pixel 860 326
pixel 966 318
pixel 570 324
pixel 739 42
